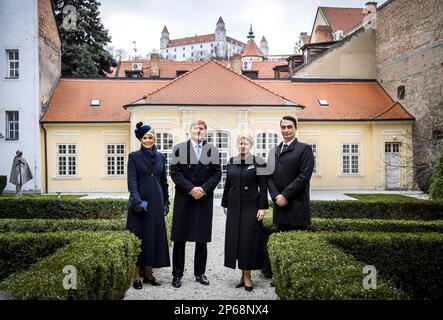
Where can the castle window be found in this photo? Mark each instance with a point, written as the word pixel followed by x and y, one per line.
pixel 400 92
pixel 12 67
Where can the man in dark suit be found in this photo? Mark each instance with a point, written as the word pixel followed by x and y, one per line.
pixel 196 172
pixel 289 183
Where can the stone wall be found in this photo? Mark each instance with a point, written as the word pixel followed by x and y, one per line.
pixel 49 52
pixel 409 53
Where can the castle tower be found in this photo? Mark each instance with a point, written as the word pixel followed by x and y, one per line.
pixel 164 40
pixel 264 46
pixel 220 31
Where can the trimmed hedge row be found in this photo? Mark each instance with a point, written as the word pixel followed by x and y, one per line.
pixel 362 225
pixel 20 250
pixel 414 262
pixel 53 225
pixel 104 263
pixel 35 208
pixel 414 210
pixel 325 265
pixel 305 266
pixel 27 208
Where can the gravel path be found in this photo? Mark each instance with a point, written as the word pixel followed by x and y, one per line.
pixel 222 280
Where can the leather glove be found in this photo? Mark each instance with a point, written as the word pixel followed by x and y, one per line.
pixel 137 208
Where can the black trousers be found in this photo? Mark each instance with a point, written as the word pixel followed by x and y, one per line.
pixel 178 258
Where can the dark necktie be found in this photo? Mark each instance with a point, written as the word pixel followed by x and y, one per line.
pixel 285 146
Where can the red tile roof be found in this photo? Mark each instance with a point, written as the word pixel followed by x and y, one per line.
pixel 266 68
pixel 214 84
pixel 71 101
pixel 252 50
pixel 165 29
pixel 168 68
pixel 347 100
pixel 343 18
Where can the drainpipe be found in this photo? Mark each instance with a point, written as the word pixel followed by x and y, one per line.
pixel 46 157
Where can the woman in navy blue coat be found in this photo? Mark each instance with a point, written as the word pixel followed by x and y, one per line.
pixel 148 205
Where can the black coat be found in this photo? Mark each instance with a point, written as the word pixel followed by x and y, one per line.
pixel 291 177
pixel 192 219
pixel 147 181
pixel 244 194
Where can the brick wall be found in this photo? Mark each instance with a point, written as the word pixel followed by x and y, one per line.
pixel 409 53
pixel 49 52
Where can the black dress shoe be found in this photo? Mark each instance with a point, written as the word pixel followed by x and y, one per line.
pixel 137 284
pixel 202 279
pixel 177 282
pixel 249 289
pixel 153 281
pixel 241 284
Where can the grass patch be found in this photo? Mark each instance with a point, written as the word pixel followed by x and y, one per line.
pixel 382 197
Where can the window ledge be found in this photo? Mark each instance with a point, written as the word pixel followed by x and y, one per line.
pixel 66 178
pixel 114 177
pixel 356 175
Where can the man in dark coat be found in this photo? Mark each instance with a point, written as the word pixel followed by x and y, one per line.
pixel 289 183
pixel 196 172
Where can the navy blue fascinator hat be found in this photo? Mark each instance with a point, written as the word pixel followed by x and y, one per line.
pixel 141 130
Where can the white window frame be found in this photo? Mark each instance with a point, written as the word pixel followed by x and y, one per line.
pixel 222 140
pixel 165 143
pixel 270 140
pixel 67 155
pixel 350 156
pixel 314 147
pixel 15 61
pixel 15 123
pixel 115 158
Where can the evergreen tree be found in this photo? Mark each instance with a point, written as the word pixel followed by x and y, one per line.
pixel 83 38
pixel 436 188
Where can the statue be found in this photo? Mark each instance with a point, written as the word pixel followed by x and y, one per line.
pixel 20 172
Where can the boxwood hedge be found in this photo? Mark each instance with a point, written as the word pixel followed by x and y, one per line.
pixel 104 263
pixel 305 266
pixel 329 265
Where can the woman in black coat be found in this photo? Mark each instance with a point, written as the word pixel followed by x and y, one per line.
pixel 148 205
pixel 244 202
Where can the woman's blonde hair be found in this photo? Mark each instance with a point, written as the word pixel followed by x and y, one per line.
pixel 246 135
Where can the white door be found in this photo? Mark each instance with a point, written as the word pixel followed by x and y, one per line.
pixel 221 140
pixel 392 162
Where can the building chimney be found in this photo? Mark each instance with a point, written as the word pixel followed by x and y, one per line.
pixel 236 63
pixel 370 7
pixel 155 65
pixel 323 34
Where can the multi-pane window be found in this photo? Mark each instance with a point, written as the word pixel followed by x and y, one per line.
pixel 66 159
pixel 115 159
pixel 220 139
pixel 12 64
pixel 314 151
pixel 265 142
pixel 12 125
pixel 350 158
pixel 165 142
pixel 392 147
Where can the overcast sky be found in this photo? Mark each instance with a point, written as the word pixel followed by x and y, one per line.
pixel 280 21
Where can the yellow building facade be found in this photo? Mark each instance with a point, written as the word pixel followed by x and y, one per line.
pixel 91 156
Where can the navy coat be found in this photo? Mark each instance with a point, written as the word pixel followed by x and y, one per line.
pixel 291 177
pixel 147 181
pixel 192 219
pixel 245 193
